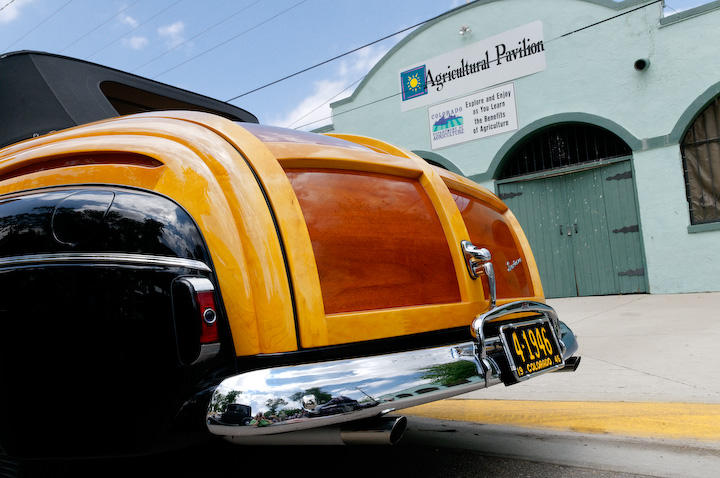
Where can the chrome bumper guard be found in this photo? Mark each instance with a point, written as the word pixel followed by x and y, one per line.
pixel 300 397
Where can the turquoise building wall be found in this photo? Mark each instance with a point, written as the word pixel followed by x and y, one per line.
pixel 589 77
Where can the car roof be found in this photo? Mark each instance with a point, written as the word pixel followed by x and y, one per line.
pixel 42 92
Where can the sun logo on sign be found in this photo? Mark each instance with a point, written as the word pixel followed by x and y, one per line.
pixel 413 82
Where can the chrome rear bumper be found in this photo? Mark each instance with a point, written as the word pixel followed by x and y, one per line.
pixel 292 398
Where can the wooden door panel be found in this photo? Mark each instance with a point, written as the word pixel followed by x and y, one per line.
pixel 488 228
pixel 377 240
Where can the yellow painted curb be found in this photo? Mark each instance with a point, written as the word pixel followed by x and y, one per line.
pixel 699 421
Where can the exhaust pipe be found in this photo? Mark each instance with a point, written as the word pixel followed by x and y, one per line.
pixel 571 364
pixel 382 431
pixel 373 431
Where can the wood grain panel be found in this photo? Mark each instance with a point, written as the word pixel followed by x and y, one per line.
pixel 487 228
pixel 377 240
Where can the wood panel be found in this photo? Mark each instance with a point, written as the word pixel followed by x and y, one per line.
pixel 377 240
pixel 487 228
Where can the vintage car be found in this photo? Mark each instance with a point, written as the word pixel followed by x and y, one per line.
pixel 164 256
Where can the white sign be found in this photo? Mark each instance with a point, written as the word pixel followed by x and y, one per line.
pixel 475 116
pixel 504 57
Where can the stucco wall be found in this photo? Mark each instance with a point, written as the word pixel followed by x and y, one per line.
pixel 677 261
pixel 589 76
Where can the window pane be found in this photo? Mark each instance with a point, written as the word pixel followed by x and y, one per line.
pixel 701 158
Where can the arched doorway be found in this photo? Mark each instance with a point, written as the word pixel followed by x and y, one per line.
pixel 571 187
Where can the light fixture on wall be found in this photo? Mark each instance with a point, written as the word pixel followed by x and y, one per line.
pixel 464 30
pixel 641 64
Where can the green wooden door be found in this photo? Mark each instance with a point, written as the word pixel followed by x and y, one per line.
pixel 624 228
pixel 583 230
pixel 588 234
pixel 541 208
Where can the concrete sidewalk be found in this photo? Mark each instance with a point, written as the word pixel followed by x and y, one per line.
pixel 650 368
pixel 635 348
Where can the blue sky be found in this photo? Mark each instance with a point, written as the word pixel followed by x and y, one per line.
pixel 225 48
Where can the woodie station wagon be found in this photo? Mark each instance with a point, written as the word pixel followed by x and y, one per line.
pixel 172 270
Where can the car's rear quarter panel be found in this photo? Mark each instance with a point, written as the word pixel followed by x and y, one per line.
pixel 209 178
pixel 89 357
pixel 89 354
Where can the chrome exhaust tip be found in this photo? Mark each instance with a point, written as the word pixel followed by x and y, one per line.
pixel 378 431
pixel 571 364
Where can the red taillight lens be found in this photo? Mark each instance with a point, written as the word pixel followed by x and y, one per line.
pixel 196 319
pixel 208 317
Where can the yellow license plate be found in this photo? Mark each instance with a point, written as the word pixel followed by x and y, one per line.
pixel 531 348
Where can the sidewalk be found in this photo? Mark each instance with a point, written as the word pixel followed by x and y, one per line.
pixel 637 348
pixel 660 350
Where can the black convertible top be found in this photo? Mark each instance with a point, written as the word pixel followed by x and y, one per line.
pixel 42 92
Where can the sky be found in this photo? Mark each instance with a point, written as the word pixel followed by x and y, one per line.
pixel 224 48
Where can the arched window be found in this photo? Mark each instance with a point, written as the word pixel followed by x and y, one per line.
pixel 560 146
pixel 437 160
pixel 701 163
pixel 434 163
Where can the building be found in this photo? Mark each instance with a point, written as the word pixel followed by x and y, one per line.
pixel 598 122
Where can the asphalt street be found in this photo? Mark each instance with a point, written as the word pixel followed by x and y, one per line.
pixel 430 448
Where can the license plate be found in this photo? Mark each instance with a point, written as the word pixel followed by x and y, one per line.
pixel 531 348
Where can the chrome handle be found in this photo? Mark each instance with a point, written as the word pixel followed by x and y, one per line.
pixel 479 261
pixel 489 271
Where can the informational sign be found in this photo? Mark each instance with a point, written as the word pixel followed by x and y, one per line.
pixel 485 113
pixel 498 59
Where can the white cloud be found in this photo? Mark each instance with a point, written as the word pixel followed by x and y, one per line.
pixel 303 113
pixel 12 11
pixel 135 42
pixel 362 61
pixel 128 20
pixel 172 34
pixel 315 108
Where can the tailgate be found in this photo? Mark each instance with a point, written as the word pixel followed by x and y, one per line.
pixel 379 251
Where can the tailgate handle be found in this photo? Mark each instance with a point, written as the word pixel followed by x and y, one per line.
pixel 479 262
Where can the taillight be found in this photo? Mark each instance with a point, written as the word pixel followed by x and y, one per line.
pixel 208 316
pixel 196 315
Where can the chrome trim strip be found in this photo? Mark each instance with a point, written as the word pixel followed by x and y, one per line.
pixel 101 257
pixel 522 306
pixel 200 284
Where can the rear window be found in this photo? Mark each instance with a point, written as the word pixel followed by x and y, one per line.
pixel 274 134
